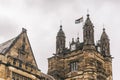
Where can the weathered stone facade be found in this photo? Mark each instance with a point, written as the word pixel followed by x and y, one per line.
pixel 82 60
pixel 17 61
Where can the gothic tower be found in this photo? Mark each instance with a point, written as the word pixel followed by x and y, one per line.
pixel 88 34
pixel 82 60
pixel 60 41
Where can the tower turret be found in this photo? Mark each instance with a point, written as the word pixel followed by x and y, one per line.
pixel 88 34
pixel 60 41
pixel 104 43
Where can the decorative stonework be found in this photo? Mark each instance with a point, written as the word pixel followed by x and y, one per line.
pixel 82 61
pixel 17 61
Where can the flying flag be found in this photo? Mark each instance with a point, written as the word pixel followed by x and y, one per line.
pixel 79 20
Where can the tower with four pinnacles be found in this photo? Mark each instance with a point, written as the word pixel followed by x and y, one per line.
pixel 82 60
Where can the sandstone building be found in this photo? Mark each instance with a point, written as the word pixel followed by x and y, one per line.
pixel 17 61
pixel 82 60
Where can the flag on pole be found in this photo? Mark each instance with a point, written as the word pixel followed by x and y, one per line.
pixel 79 20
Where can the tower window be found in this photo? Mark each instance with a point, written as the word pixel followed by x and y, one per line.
pixel 73 66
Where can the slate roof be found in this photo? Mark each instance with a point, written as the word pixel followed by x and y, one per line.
pixel 6 45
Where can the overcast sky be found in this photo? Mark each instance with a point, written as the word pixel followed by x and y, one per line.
pixel 42 19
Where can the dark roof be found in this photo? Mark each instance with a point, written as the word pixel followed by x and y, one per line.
pixel 6 45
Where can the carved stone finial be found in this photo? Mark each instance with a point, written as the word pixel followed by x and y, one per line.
pixel 60 26
pixel 103 29
pixel 24 30
pixel 88 15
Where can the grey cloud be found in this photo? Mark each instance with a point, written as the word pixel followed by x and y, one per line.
pixel 7 27
pixel 43 19
pixel 48 6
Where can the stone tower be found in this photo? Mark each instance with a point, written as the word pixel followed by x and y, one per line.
pixel 105 45
pixel 88 34
pixel 105 51
pixel 60 41
pixel 82 60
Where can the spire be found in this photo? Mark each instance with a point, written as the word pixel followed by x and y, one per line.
pixel 88 34
pixel 60 41
pixel 88 21
pixel 88 31
pixel 61 32
pixel 104 35
pixel 104 43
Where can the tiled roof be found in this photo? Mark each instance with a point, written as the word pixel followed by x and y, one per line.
pixel 6 45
